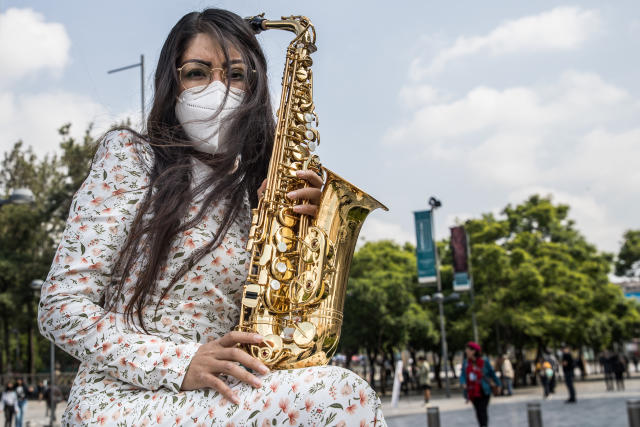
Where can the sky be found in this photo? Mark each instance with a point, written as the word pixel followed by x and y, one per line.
pixel 480 104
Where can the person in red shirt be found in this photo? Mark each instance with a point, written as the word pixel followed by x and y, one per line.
pixel 477 378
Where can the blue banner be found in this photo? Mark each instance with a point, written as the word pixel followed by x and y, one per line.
pixel 425 252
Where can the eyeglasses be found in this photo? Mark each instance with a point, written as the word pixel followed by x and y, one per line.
pixel 193 74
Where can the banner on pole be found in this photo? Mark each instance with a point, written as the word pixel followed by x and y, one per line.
pixel 460 252
pixel 425 253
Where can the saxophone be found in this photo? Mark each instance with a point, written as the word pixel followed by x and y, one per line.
pixel 295 289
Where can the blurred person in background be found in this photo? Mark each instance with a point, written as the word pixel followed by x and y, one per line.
pixel 477 379
pixel 424 377
pixel 506 368
pixel 618 367
pixel 21 392
pixel 9 403
pixel 545 372
pixel 605 362
pixel 568 367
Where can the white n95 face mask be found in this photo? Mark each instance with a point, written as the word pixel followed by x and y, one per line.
pixel 196 107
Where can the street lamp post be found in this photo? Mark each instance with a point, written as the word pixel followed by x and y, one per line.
pixel 435 204
pixel 36 286
pixel 141 65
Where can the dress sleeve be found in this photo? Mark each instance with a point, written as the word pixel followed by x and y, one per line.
pixel 69 312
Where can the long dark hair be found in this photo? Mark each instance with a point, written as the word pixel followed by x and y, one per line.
pixel 248 133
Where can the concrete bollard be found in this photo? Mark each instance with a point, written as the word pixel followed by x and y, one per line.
pixel 433 416
pixel 534 414
pixel 633 411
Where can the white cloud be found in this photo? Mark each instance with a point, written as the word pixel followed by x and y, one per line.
pixel 577 138
pixel 589 212
pixel 35 119
pixel 29 44
pixel 559 29
pixel 512 136
pixel 375 229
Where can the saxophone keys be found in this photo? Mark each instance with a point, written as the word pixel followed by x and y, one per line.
pixel 308 117
pixel 282 269
pixel 284 239
pixel 286 217
pixel 301 74
pixel 263 277
pixel 274 284
pixel 312 146
pixel 265 257
pixel 304 334
pixel 251 293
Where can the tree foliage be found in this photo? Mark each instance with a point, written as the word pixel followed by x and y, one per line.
pixel 540 283
pixel 29 233
pixel 628 260
pixel 381 312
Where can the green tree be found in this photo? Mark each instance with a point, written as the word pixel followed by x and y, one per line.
pixel 539 283
pixel 628 261
pixel 29 235
pixel 381 313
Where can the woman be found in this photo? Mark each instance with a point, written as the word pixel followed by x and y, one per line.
pixel 146 284
pixel 507 374
pixel 476 379
pixel 545 371
pixel 9 404
pixel 424 372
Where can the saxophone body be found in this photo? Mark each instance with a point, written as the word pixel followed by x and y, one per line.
pixel 299 267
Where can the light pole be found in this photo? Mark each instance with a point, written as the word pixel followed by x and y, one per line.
pixel 36 286
pixel 441 300
pixel 435 204
pixel 141 65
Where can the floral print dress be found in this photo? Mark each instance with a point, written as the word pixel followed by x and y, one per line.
pixel 128 377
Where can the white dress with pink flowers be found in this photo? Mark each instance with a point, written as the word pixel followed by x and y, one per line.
pixel 127 377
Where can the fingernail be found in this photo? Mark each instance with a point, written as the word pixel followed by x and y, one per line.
pixel 257 384
pixel 291 195
pixel 235 399
pixel 263 370
pixel 258 337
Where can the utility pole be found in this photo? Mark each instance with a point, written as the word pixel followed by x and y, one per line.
pixel 141 65
pixel 439 298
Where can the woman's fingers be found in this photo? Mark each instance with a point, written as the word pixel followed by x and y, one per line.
pixel 232 369
pixel 217 384
pixel 309 193
pixel 244 358
pixel 237 337
pixel 311 177
pixel 311 210
pixel 263 187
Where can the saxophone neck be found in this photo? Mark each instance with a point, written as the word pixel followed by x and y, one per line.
pixel 301 26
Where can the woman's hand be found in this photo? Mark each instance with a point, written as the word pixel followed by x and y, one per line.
pixel 312 193
pixel 222 357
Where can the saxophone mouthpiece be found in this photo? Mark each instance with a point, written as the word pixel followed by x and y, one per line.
pixel 256 22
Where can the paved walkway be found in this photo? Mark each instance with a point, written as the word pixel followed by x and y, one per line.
pixel 595 408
